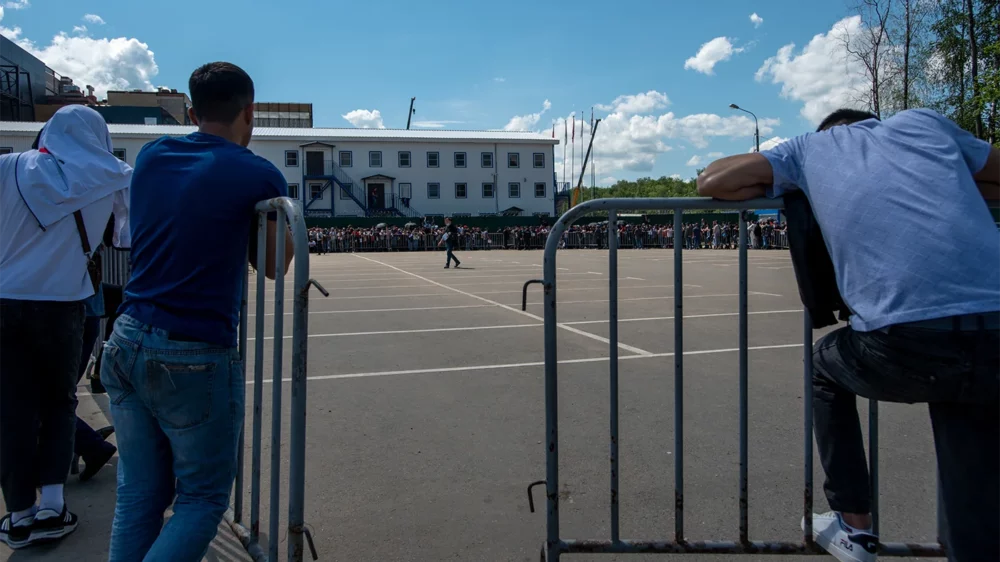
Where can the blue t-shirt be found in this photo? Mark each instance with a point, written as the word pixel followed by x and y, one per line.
pixel 908 231
pixel 192 207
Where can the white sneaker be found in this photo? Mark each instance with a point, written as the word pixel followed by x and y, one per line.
pixel 843 542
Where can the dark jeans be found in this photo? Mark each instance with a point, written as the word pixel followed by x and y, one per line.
pixel 40 345
pixel 957 372
pixel 451 256
pixel 87 441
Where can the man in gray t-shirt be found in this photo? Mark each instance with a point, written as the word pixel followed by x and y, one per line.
pixel 925 310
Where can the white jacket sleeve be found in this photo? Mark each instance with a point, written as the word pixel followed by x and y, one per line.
pixel 122 236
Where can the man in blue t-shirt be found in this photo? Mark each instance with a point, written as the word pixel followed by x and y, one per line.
pixel 925 310
pixel 171 367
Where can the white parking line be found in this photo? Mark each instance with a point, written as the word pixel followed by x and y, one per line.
pixel 251 315
pixel 528 364
pixel 510 308
pixel 536 325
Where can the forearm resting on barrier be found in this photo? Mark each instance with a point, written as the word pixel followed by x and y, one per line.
pixel 269 269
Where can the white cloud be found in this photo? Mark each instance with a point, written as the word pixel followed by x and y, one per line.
pixel 756 20
pixel 119 63
pixel 608 180
pixel 17 4
pixel 632 142
pixel 639 103
pixel 693 161
pixel 715 51
pixel 81 29
pixel 435 124
pixel 675 176
pixel 94 19
pixel 714 155
pixel 529 121
pixel 770 143
pixel 499 79
pixel 365 119
pixel 821 76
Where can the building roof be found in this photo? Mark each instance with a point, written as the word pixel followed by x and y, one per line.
pixel 317 134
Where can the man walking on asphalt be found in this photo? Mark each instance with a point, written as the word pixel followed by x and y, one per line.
pixel 925 318
pixel 450 240
pixel 172 368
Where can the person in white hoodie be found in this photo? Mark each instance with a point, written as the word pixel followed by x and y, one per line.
pixel 54 205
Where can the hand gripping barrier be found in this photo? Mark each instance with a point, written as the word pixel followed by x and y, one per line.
pixel 288 212
pixel 555 545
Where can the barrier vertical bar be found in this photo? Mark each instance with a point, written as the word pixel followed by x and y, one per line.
pixel 678 378
pixel 258 376
pixel 873 458
pixel 552 547
pixel 281 226
pixel 240 472
pixel 744 484
pixel 613 346
pixel 297 416
pixel 807 407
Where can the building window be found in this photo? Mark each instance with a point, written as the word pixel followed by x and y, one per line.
pixel 346 159
pixel 487 159
pixel 345 191
pixel 461 190
pixel 292 158
pixel 513 160
pixel 375 159
pixel 488 190
pixel 404 158
pixel 540 189
pixel 514 189
pixel 119 153
pixel 538 160
pixel 293 190
pixel 405 191
pixel 433 159
pixel 315 191
pixel 6 150
pixel 459 159
pixel 433 191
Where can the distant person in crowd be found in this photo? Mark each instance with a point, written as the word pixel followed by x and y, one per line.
pixel 450 240
pixel 925 322
pixel 171 367
pixel 716 235
pixel 54 205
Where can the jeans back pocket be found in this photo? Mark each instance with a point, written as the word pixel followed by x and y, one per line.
pixel 180 393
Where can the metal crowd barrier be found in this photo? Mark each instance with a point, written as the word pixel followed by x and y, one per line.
pixel 555 544
pixel 288 212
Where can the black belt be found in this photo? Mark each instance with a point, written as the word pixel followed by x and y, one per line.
pixel 963 323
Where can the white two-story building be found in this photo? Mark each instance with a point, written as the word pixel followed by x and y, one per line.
pixel 381 172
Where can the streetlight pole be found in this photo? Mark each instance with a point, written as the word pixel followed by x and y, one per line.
pixel 756 130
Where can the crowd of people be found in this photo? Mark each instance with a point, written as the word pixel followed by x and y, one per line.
pixel 762 234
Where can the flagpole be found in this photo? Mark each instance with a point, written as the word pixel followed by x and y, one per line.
pixel 593 158
pixel 572 161
pixel 565 139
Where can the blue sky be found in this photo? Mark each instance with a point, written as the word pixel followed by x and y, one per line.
pixel 478 65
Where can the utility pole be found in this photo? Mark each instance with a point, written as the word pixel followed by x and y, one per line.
pixel 410 113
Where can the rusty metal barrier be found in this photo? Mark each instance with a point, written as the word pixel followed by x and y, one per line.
pixel 555 544
pixel 288 212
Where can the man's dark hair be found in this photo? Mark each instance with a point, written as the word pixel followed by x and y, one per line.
pixel 845 117
pixel 220 91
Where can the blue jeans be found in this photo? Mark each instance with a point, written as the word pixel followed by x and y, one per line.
pixel 178 412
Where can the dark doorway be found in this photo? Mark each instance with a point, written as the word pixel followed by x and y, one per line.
pixel 314 163
pixel 376 196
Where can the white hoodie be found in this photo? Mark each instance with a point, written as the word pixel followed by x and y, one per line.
pixel 41 255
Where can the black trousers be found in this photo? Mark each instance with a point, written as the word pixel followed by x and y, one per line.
pixel 957 373
pixel 40 345
pixel 450 255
